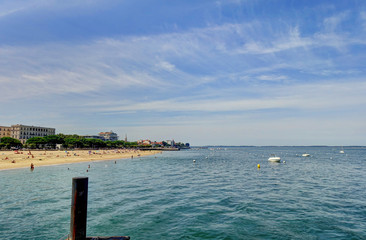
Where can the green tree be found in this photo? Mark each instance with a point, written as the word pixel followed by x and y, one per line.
pixel 8 143
pixel 111 144
pixel 131 144
pixel 116 144
pixel 36 142
pixel 120 143
pixel 73 143
pixel 52 140
pixel 93 143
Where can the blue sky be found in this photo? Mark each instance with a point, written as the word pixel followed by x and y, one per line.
pixel 233 72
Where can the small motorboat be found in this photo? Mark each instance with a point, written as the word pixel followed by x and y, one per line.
pixel 306 155
pixel 342 151
pixel 273 158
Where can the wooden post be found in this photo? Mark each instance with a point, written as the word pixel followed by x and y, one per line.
pixel 79 204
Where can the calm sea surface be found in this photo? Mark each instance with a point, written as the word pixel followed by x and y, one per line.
pixel 221 196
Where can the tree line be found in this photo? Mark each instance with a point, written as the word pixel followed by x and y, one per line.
pixel 66 141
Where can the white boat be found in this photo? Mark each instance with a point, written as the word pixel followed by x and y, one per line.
pixel 273 158
pixel 306 155
pixel 341 150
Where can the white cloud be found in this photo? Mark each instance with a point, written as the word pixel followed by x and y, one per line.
pixel 55 69
pixel 329 96
pixel 363 19
pixel 7 12
pixel 272 77
pixel 17 6
pixel 331 23
pixel 238 78
pixel 164 65
pixel 211 72
pixel 250 129
pixel 291 40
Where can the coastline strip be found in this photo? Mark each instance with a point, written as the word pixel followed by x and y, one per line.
pixel 24 158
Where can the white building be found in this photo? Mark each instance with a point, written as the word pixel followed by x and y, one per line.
pixel 170 142
pixel 109 136
pixel 24 132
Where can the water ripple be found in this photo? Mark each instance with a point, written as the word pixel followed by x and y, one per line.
pixel 221 196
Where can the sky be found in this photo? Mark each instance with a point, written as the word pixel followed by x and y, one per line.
pixel 225 72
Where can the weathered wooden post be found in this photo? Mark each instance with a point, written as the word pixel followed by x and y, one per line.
pixel 79 207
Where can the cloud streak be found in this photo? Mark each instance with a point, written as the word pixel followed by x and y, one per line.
pixel 319 97
pixel 149 61
pixel 232 68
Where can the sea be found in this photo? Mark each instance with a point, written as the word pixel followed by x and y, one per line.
pixel 200 193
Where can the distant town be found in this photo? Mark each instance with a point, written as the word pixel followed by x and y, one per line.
pixel 36 137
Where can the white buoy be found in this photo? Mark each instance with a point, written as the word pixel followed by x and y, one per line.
pixel 194 160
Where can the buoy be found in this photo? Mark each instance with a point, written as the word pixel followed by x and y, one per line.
pixel 258 166
pixel 284 161
pixel 194 160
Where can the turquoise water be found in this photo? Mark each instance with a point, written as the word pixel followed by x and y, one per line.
pixel 221 196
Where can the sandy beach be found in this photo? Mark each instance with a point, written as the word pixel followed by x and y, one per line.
pixel 22 159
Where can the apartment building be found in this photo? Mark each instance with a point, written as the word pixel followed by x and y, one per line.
pixel 24 132
pixel 5 131
pixel 109 136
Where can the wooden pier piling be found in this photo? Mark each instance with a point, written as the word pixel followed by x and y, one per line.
pixel 79 208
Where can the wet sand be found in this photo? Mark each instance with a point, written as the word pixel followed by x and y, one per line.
pixel 23 159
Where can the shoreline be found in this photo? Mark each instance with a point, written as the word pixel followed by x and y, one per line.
pixel 24 159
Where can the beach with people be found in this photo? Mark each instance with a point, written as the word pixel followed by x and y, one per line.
pixel 36 158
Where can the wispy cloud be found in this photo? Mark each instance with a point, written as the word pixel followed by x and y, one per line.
pixel 332 23
pixel 329 96
pixel 154 61
pixel 8 12
pixel 291 40
pixel 234 68
pixel 362 16
pixel 272 77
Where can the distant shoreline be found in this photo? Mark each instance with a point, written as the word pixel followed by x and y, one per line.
pixel 24 159
pixel 223 146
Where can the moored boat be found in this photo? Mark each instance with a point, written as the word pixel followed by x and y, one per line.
pixel 342 151
pixel 274 158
